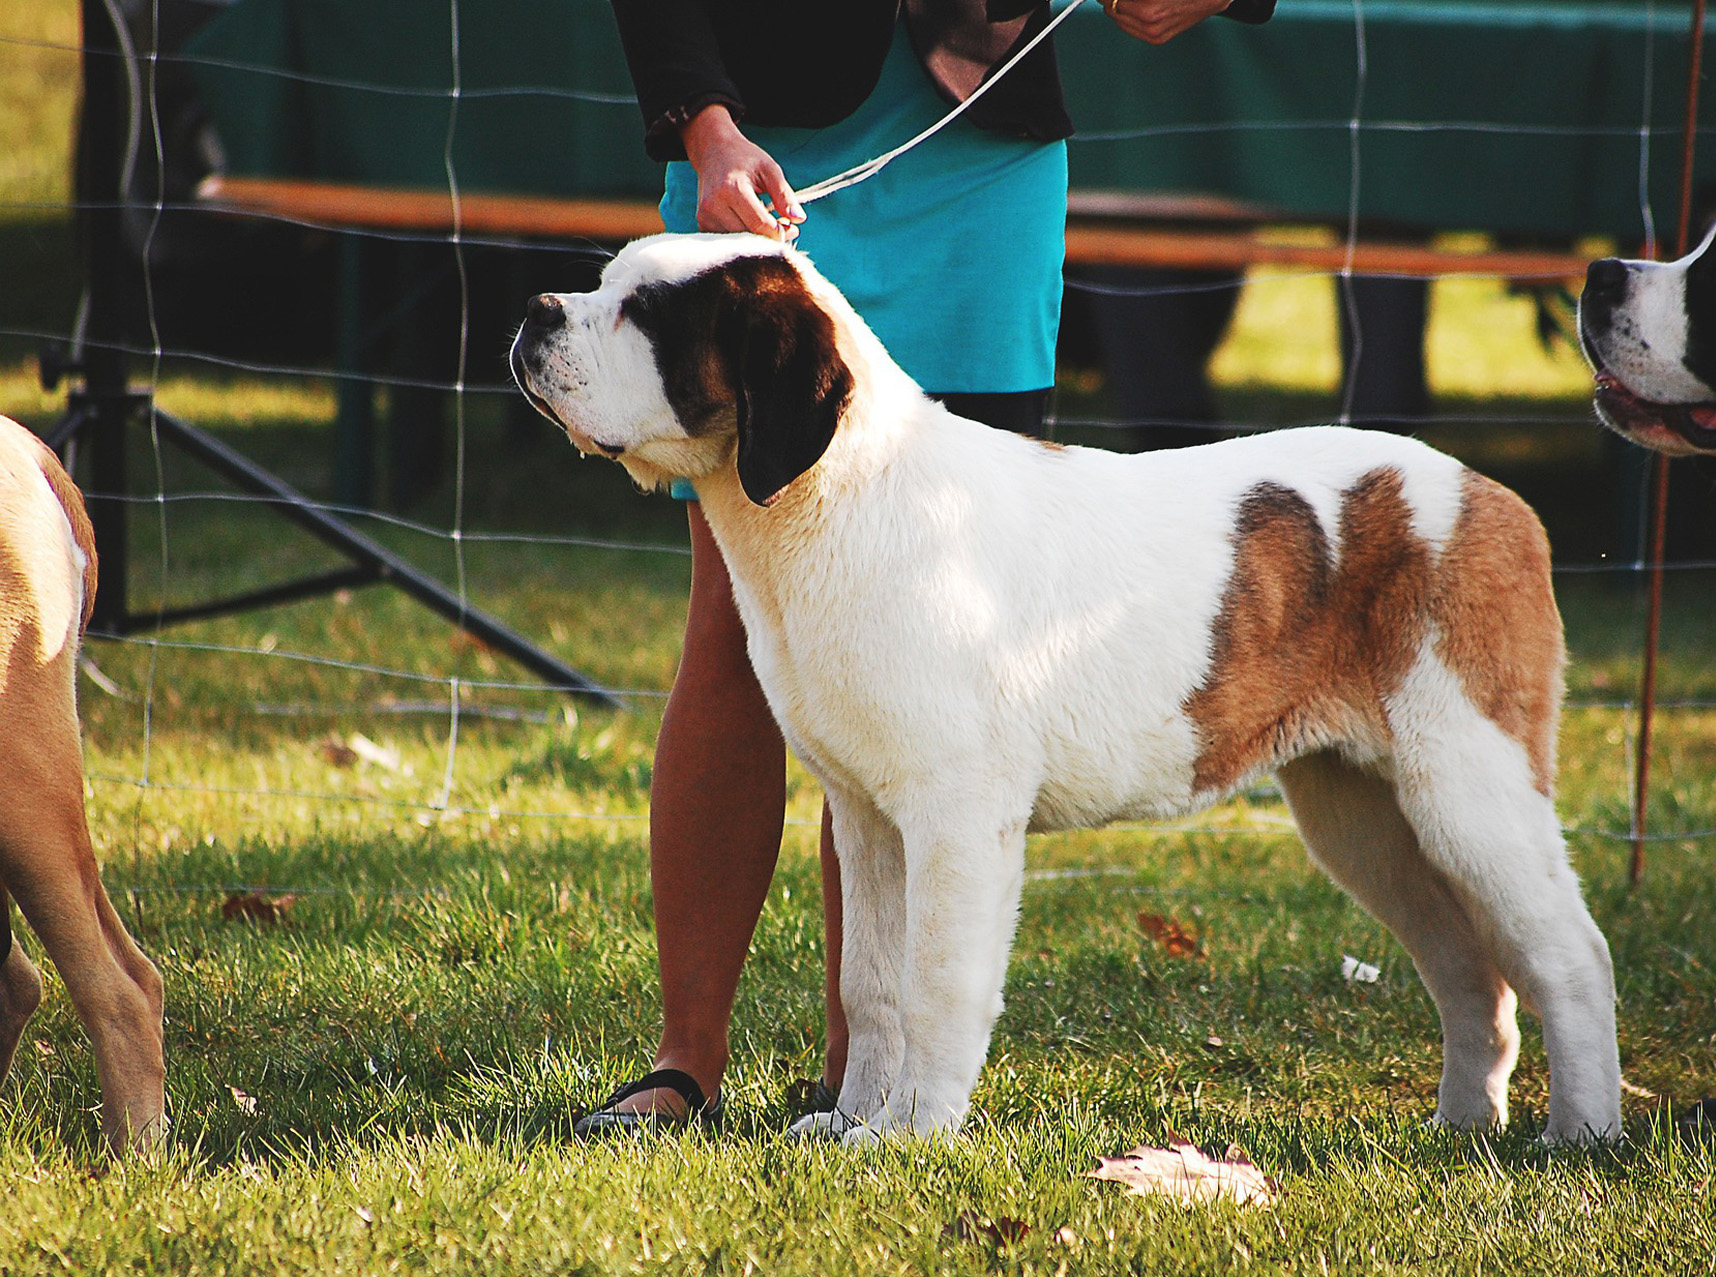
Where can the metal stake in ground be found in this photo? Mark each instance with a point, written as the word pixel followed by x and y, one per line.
pixel 1659 471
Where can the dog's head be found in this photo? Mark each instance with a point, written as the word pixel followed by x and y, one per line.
pixel 1649 331
pixel 694 349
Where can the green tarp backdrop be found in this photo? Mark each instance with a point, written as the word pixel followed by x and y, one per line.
pixel 1515 117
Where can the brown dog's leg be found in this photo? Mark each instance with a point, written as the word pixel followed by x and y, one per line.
pixel 47 863
pixel 20 987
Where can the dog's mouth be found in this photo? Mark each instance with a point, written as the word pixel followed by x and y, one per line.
pixel 1677 429
pixel 537 400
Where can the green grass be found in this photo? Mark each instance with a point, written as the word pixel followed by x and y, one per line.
pixel 468 957
pixel 466 962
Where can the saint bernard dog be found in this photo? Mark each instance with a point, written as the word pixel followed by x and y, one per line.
pixel 1649 332
pixel 47 583
pixel 968 635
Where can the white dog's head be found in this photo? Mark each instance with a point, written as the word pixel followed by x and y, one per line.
pixel 1649 332
pixel 693 348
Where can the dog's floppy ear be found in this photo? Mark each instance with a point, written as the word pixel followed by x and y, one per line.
pixel 790 384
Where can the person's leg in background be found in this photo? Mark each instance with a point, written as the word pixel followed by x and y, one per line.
pixel 717 807
pixel 1382 350
pixel 1156 329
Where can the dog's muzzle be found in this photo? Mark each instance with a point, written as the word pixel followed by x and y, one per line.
pixel 1669 427
pixel 544 315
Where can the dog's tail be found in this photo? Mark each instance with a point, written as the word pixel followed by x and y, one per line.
pixel 71 500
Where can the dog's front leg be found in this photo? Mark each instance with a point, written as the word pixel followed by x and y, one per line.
pixel 873 913
pixel 963 880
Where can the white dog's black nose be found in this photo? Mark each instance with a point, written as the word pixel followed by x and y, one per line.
pixel 1606 280
pixel 545 311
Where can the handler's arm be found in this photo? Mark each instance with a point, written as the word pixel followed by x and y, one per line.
pixel 732 174
pixel 691 109
pixel 676 68
pixel 1158 21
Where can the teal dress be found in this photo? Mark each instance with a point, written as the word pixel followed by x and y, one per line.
pixel 952 253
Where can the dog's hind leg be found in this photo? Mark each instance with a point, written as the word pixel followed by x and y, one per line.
pixel 1469 791
pixel 47 863
pixel 20 987
pixel 963 880
pixel 1355 831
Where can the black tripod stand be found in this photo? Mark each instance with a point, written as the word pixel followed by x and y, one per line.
pixel 101 411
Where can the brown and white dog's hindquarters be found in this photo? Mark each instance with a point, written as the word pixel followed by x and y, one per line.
pixel 967 635
pixel 47 583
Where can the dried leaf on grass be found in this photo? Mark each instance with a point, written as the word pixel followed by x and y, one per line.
pixel 1182 1170
pixel 969 1226
pixel 1355 972
pixel 358 748
pixel 384 756
pixel 253 906
pixel 1175 940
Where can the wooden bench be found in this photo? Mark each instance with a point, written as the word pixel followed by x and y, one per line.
pixel 1102 228
pixel 1120 229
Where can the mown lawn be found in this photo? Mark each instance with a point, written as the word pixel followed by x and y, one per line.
pixel 456 953
pixel 387 1074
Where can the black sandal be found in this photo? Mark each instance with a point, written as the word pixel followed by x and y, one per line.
pixel 811 1095
pixel 607 1121
pixel 817 1115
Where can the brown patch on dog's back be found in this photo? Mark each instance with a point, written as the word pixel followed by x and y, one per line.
pixel 1307 648
pixel 1499 629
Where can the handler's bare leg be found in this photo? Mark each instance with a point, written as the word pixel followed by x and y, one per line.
pixel 717 807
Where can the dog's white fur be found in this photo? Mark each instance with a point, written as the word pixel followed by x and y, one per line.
pixel 967 635
pixel 47 581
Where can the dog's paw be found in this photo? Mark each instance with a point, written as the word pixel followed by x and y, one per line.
pixel 1585 1135
pixel 863 1135
pixel 820 1128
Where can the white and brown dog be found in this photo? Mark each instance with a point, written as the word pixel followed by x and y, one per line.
pixel 967 635
pixel 47 582
pixel 1649 332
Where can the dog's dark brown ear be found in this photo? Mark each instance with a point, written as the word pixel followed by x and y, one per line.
pixel 790 383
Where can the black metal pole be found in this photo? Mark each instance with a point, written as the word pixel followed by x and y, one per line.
pixel 107 276
pixel 376 562
pixel 99 415
pixel 1658 535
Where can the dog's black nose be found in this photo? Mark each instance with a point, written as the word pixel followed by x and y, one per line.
pixel 1606 279
pixel 545 311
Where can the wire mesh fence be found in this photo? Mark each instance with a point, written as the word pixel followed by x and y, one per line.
pixel 397 329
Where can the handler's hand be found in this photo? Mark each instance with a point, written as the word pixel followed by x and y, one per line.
pixel 1159 21
pixel 733 176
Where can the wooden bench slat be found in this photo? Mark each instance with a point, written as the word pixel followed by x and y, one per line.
pixel 407 209
pixel 1089 241
pixel 1132 246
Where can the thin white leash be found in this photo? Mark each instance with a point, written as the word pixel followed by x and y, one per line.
pixel 868 169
